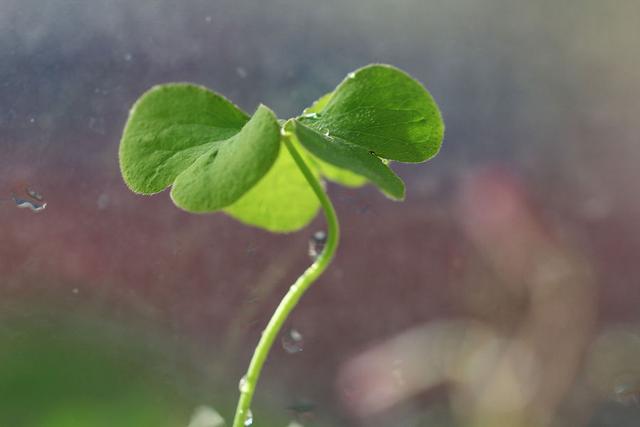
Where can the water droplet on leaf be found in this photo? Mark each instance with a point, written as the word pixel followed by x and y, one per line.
pixel 293 342
pixel 351 75
pixel 316 244
pixel 310 116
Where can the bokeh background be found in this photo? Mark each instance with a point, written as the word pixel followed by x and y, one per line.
pixel 503 292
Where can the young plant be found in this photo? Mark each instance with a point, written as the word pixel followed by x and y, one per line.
pixel 217 158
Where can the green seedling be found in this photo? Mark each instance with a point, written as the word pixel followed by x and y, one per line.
pixel 267 172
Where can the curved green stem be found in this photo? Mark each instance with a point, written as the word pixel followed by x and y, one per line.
pixel 290 300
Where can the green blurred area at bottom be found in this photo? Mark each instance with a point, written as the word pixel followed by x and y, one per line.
pixel 59 369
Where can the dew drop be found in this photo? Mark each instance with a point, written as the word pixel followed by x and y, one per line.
pixel 310 116
pixel 243 385
pixel 34 194
pixel 241 72
pixel 627 393
pixel 317 243
pixel 28 204
pixel 97 125
pixel 103 201
pixel 293 342
pixel 398 373
pixel 351 75
pixel 248 420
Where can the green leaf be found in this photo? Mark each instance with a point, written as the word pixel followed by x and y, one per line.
pixel 169 127
pixel 349 156
pixel 226 171
pixel 282 201
pixel 383 110
pixel 338 175
pixel 329 171
pixel 217 158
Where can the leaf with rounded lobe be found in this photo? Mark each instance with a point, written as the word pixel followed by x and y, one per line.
pixel 383 110
pixel 169 127
pixel 282 201
pixel 228 170
pixel 349 156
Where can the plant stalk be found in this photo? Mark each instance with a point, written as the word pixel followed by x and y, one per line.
pixel 290 300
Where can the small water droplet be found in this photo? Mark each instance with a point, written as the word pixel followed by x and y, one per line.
pixel 97 125
pixel 248 420
pixel 251 249
pixel 32 120
pixel 310 115
pixel 351 75
pixel 627 393
pixel 75 290
pixel 398 373
pixel 243 385
pixel 103 201
pixel 241 72
pixel 293 342
pixel 28 204
pixel 317 243
pixel 34 194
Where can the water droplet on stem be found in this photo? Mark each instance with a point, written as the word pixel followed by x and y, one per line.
pixel 248 420
pixel 317 243
pixel 243 385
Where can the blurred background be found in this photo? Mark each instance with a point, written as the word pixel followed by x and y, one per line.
pixel 503 292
